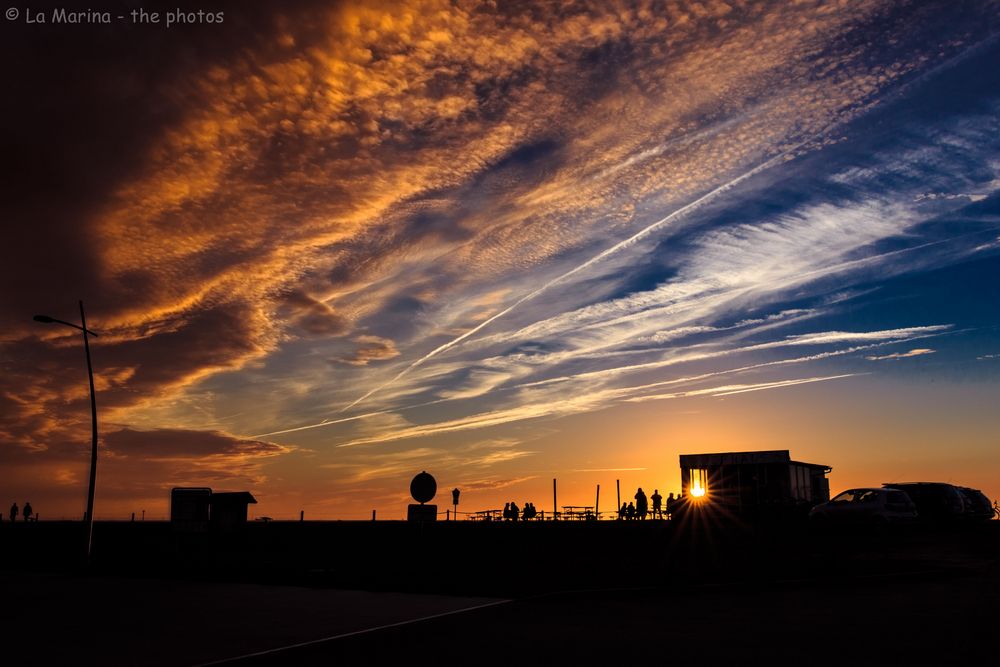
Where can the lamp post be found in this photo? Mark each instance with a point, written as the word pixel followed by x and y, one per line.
pixel 45 319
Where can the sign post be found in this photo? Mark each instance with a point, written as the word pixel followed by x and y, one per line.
pixel 422 488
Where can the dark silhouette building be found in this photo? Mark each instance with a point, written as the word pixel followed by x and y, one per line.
pixel 229 510
pixel 196 509
pixel 189 508
pixel 753 483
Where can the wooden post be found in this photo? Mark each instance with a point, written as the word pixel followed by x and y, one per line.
pixel 447 515
pixel 302 515
pixel 133 517
pixel 373 515
pixel 555 506
pixel 597 503
pixel 618 494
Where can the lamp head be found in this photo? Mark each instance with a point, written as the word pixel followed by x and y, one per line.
pixel 44 318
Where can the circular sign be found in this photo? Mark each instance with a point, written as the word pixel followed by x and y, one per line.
pixel 423 487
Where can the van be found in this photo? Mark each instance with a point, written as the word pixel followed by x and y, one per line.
pixel 935 501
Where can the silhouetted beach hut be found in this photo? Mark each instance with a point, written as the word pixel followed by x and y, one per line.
pixel 229 509
pixel 195 509
pixel 753 483
pixel 189 508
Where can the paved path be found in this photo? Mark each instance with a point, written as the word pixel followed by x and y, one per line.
pixel 913 620
pixel 70 620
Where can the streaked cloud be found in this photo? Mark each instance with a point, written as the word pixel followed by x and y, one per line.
pixel 916 352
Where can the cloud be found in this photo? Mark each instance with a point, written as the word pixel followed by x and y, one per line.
pixel 148 462
pixel 902 355
pixel 532 405
pixel 312 316
pixel 492 484
pixel 370 348
pixel 730 390
pixel 183 444
pixel 547 405
pixel 828 337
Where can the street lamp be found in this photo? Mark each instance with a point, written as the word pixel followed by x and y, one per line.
pixel 45 319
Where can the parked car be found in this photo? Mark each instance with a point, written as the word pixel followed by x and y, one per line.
pixel 866 507
pixel 936 501
pixel 977 505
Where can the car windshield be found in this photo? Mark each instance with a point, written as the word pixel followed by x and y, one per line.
pixel 856 496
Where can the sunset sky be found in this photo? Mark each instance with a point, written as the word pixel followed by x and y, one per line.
pixel 330 245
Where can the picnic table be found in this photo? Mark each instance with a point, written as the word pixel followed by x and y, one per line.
pixel 578 512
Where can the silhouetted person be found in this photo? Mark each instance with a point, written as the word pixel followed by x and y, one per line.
pixel 515 511
pixel 657 503
pixel 623 512
pixel 529 511
pixel 506 512
pixel 671 505
pixel 27 511
pixel 641 504
pixel 630 512
pixel 13 512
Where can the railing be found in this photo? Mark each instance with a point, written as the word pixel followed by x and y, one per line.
pixel 568 513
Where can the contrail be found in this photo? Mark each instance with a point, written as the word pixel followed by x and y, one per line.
pixel 621 245
pixel 325 422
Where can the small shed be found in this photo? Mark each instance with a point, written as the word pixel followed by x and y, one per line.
pixel 750 483
pixel 196 509
pixel 229 510
pixel 189 508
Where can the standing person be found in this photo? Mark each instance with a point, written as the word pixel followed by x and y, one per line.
pixel 671 504
pixel 641 504
pixel 515 511
pixel 622 512
pixel 13 512
pixel 27 511
pixel 506 512
pixel 657 503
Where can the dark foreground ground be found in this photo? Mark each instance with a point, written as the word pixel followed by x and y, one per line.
pixel 604 594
